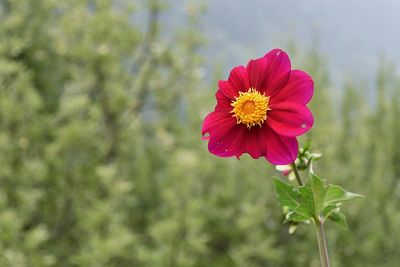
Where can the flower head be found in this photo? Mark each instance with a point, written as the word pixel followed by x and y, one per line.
pixel 260 110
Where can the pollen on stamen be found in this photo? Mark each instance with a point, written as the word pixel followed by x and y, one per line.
pixel 250 108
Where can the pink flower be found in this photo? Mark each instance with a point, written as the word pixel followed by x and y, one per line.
pixel 260 110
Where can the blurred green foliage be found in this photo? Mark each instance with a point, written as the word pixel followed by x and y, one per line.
pixel 102 164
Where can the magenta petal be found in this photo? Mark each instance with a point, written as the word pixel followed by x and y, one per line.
pixel 273 54
pixel 214 119
pixel 226 143
pixel 224 134
pixel 281 150
pixel 257 70
pixel 299 89
pixel 223 103
pixel 290 119
pixel 238 81
pixel 254 142
pixel 227 89
pixel 279 67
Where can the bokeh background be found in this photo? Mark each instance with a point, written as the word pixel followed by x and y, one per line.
pixel 101 158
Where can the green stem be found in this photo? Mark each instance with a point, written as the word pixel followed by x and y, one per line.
pixel 296 173
pixel 323 248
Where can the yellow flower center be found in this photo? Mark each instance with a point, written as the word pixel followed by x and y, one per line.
pixel 250 108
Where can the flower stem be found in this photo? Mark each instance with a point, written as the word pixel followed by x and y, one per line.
pixel 323 248
pixel 322 245
pixel 296 173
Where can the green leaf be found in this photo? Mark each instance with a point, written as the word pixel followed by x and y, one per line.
pixel 294 216
pixel 312 201
pixel 336 194
pixel 312 196
pixel 286 194
pixel 339 218
pixel 319 192
pixel 328 210
pixel 306 199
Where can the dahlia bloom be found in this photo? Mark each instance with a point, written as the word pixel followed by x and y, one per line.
pixel 260 110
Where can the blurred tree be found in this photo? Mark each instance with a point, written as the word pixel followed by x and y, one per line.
pixel 101 162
